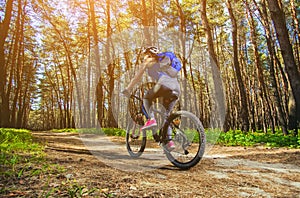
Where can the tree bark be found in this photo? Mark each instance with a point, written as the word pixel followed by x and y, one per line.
pixel 260 73
pixel 16 65
pixel 244 105
pixel 296 35
pixel 4 27
pixel 99 89
pixel 111 69
pixel 182 36
pixel 145 23
pixel 278 19
pixel 277 100
pixel 219 97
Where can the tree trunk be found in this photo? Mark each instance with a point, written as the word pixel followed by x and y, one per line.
pixel 111 69
pixel 219 109
pixel 4 27
pixel 99 89
pixel 296 28
pixel 88 118
pixel 244 105
pixel 278 19
pixel 277 100
pixel 182 36
pixel 145 23
pixel 264 94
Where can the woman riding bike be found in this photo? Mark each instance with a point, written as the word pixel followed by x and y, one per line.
pixel 159 68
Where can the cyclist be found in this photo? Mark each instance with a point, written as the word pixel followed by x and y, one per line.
pixel 160 70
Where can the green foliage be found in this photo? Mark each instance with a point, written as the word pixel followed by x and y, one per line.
pixel 238 138
pixel 64 130
pixel 100 131
pixel 76 190
pixel 16 139
pixel 114 132
pixel 18 153
pixel 212 135
pixel 13 143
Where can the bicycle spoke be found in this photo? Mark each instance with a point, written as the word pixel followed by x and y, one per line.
pixel 135 140
pixel 189 138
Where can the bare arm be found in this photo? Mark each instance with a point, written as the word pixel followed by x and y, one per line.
pixel 148 62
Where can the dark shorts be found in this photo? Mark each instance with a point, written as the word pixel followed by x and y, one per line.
pixel 166 93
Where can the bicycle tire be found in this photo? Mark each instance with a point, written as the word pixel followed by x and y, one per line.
pixel 191 129
pixel 135 139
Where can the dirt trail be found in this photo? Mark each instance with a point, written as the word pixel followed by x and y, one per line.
pixel 224 171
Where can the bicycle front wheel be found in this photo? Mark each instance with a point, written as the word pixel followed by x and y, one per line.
pixel 189 137
pixel 135 139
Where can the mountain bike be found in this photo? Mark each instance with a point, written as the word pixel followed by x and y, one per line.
pixel 187 130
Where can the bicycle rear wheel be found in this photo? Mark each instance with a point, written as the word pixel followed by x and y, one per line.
pixel 135 139
pixel 189 137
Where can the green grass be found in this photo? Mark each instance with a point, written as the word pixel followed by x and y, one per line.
pixel 238 138
pixel 17 140
pixel 17 146
pixel 100 131
pixel 18 153
pixel 15 143
pixel 22 160
pixel 71 130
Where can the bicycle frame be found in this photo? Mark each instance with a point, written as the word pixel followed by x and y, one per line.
pixel 189 139
pixel 163 130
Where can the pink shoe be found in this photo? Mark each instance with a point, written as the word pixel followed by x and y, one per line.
pixel 170 145
pixel 150 123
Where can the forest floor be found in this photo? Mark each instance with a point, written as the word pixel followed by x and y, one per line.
pixel 223 172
